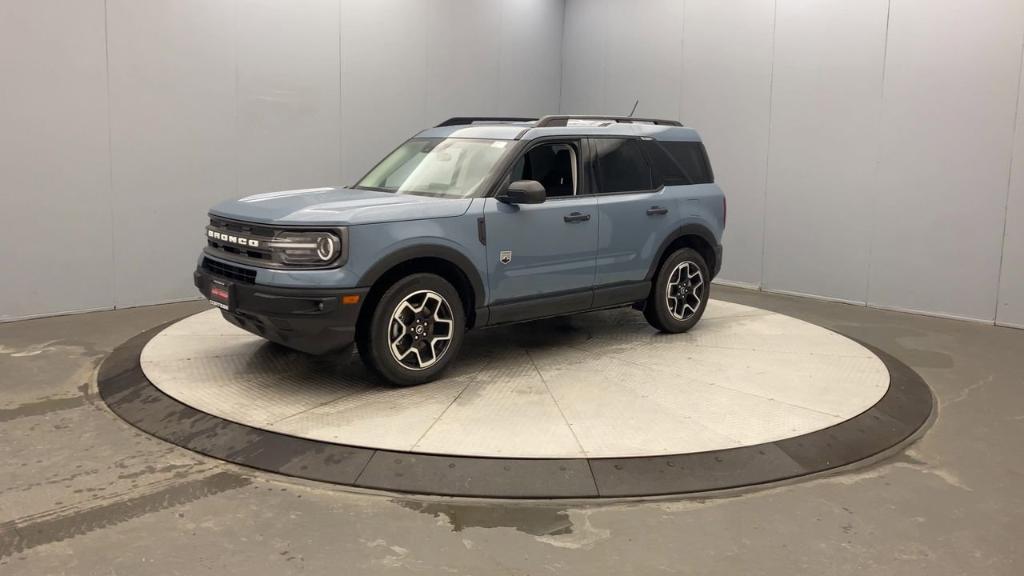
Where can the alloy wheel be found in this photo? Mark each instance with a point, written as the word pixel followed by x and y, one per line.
pixel 685 291
pixel 420 331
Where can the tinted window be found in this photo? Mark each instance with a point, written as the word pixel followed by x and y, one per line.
pixel 680 162
pixel 666 170
pixel 621 165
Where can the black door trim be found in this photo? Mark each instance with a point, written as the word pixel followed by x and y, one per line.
pixel 546 306
pixel 541 307
pixel 621 294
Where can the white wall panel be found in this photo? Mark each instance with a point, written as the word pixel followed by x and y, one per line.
pixel 1011 285
pixel 948 115
pixel 173 138
pixel 584 57
pixel 288 95
pixel 384 93
pixel 531 57
pixel 409 64
pixel 726 82
pixel 826 101
pixel 215 99
pixel 463 47
pixel 54 168
pixel 619 51
pixel 212 99
pixel 644 56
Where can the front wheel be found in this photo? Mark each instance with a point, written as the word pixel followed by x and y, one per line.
pixel 680 293
pixel 414 332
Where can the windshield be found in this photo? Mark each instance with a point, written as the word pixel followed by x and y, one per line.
pixel 445 167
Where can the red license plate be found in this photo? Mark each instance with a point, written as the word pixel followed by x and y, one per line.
pixel 220 294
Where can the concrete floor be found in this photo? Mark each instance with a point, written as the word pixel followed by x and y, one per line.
pixel 81 492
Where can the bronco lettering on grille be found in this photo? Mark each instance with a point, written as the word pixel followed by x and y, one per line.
pixel 222 237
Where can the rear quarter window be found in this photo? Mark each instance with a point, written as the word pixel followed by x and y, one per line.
pixel 679 163
pixel 621 166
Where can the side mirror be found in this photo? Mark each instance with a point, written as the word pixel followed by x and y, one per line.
pixel 523 192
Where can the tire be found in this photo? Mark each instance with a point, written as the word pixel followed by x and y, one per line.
pixel 416 315
pixel 675 306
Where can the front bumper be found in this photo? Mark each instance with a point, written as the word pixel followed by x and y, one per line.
pixel 314 321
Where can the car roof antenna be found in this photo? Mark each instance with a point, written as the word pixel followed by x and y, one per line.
pixel 634 108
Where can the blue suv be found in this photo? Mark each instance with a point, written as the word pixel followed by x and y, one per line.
pixel 473 223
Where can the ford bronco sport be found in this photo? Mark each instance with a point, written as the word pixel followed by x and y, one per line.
pixel 475 222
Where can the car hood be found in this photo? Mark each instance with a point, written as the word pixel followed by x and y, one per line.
pixel 338 206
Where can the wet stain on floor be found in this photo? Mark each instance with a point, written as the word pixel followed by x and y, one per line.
pixel 66 523
pixel 536 521
pixel 41 407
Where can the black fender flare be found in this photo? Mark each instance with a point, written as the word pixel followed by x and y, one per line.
pixel 460 260
pixel 692 229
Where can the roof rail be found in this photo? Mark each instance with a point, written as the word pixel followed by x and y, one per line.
pixel 563 120
pixel 461 120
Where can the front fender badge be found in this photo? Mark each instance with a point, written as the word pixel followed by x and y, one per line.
pixel 505 257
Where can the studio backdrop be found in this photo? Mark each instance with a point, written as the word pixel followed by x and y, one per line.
pixel 872 150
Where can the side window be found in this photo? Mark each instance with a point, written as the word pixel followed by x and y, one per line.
pixel 553 165
pixel 621 166
pixel 680 162
pixel 666 170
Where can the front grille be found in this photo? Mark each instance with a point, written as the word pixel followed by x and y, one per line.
pixel 261 235
pixel 244 228
pixel 228 271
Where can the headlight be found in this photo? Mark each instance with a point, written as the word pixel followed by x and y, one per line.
pixel 305 248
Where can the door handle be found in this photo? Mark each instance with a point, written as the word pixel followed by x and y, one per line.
pixel 576 217
pixel 657 211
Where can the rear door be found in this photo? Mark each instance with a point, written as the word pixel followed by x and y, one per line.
pixel 634 213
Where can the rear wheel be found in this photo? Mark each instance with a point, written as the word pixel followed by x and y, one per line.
pixel 680 293
pixel 415 330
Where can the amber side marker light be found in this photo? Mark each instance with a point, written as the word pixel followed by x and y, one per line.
pixel 350 299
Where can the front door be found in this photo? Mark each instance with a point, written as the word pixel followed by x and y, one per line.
pixel 541 257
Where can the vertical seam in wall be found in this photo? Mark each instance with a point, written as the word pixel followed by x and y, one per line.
pixel 501 44
pixel 873 199
pixel 1009 183
pixel 110 158
pixel 426 63
pixel 341 123
pixel 238 133
pixel 768 148
pixel 604 57
pixel 561 61
pixel 682 65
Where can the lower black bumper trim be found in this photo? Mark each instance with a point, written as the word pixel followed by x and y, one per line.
pixel 310 320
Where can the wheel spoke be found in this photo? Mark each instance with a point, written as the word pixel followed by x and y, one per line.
pixel 419 356
pixel 422 326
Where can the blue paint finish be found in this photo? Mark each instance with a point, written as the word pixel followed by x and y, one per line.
pixel 628 237
pixel 338 207
pixel 548 254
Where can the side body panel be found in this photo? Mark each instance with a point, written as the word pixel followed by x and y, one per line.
pixel 629 237
pixel 544 254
